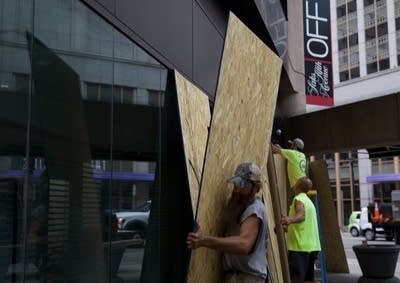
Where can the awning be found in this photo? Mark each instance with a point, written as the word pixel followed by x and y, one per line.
pixel 383 178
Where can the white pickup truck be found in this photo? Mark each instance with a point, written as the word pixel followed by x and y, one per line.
pixel 134 223
pixel 366 227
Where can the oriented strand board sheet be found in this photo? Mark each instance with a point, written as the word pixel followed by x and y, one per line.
pixel 194 111
pixel 280 169
pixel 276 204
pixel 335 257
pixel 240 131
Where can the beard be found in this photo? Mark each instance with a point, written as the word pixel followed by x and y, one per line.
pixel 237 204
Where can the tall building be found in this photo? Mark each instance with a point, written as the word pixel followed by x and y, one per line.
pixel 366 56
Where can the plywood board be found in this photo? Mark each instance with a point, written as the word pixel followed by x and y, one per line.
pixel 195 116
pixel 276 193
pixel 280 169
pixel 335 257
pixel 240 131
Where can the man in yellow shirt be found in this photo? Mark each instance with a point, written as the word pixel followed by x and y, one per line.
pixel 296 160
pixel 302 234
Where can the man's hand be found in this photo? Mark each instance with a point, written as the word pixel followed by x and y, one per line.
pixel 285 221
pixel 276 148
pixel 194 239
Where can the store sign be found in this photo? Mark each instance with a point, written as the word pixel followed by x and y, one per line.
pixel 318 53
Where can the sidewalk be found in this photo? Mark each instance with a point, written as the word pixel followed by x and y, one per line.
pixel 351 277
pixel 354 274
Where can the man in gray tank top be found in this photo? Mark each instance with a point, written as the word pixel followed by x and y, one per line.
pixel 244 243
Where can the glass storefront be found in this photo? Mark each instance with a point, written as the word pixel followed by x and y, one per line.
pixel 80 118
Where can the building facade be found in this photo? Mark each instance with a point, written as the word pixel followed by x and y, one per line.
pixel 366 55
pixel 86 146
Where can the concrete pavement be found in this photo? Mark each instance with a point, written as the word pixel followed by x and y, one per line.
pixel 354 268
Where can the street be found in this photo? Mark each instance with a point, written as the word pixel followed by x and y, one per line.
pixel 349 242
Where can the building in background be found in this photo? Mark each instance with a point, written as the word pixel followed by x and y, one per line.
pixel 366 56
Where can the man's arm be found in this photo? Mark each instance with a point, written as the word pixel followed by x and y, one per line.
pixel 242 244
pixel 299 217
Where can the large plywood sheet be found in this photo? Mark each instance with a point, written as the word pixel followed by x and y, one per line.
pixel 194 111
pixel 240 131
pixel 280 169
pixel 276 204
pixel 335 257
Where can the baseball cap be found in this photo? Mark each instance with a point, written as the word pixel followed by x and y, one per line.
pixel 245 172
pixel 298 142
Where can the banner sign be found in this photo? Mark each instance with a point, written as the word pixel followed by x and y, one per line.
pixel 317 52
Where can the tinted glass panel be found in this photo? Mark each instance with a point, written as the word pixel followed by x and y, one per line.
pixel 370 33
pixel 368 2
pixel 382 29
pixel 77 178
pixel 342 43
pixel 17 195
pixel 355 73
pixel 352 6
pixel 341 11
pixel 384 64
pixel 372 68
pixel 353 39
pixel 344 76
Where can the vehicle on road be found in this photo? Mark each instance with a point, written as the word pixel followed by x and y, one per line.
pixel 377 220
pixel 134 223
pixel 354 223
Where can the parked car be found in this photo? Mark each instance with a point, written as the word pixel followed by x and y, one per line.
pixel 380 219
pixel 134 223
pixel 360 224
pixel 354 223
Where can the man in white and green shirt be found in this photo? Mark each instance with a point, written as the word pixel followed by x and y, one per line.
pixel 296 160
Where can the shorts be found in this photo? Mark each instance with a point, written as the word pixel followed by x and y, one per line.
pixel 301 265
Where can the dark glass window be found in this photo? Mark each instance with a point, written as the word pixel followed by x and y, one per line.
pixel 372 68
pixel 21 83
pixel 384 64
pixel 342 43
pixel 398 60
pixel 355 73
pixel 341 11
pixel 80 198
pixel 92 91
pixel 397 23
pixel 106 92
pixel 368 2
pixel 351 6
pixel 370 33
pixel 344 76
pixel 382 29
pixel 353 39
